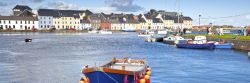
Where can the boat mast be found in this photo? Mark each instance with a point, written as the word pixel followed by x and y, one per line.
pixel 178 13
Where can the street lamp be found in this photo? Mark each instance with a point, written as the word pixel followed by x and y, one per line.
pixel 199 22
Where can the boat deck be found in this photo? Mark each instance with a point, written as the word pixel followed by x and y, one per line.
pixel 128 66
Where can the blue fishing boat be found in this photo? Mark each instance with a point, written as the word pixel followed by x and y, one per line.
pixel 118 71
pixel 224 46
pixel 196 46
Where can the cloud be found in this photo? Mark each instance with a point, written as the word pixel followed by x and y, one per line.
pixel 62 5
pixel 37 1
pixel 3 4
pixel 248 17
pixel 124 5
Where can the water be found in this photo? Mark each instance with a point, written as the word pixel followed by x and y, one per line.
pixel 59 57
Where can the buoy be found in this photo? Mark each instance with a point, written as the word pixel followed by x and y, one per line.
pixel 82 81
pixel 148 73
pixel 86 80
pixel 147 78
pixel 149 69
pixel 142 81
pixel 28 40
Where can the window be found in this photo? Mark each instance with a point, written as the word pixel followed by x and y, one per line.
pixel 20 22
pixel 29 22
pixel 33 22
pixel 4 22
pixel 49 22
pixel 44 26
pixel 41 26
pixel 9 21
pixel 47 26
pixel 41 22
pixel 44 22
pixel 14 26
pixel 44 18
pixel 25 23
pixel 16 22
pixel 0 21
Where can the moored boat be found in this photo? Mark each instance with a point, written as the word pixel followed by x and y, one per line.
pixel 118 71
pixel 224 45
pixel 172 40
pixel 200 42
pixel 196 46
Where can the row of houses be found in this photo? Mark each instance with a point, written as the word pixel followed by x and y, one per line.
pixel 24 19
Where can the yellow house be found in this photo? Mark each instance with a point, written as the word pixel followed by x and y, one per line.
pixel 168 21
pixel 67 23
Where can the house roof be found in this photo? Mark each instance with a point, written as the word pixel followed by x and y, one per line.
pixel 26 13
pixel 97 16
pixel 167 17
pixel 157 20
pixel 60 13
pixel 22 7
pixel 18 18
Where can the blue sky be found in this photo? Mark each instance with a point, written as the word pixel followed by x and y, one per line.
pixel 212 9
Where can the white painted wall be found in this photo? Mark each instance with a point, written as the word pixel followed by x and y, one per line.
pixel 19 24
pixel 45 22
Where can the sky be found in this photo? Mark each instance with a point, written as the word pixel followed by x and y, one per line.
pixel 218 12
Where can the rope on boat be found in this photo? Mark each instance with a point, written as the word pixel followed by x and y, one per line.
pixel 111 77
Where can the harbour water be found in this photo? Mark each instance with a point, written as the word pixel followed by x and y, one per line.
pixel 59 58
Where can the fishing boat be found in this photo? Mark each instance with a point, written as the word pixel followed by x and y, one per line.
pixel 224 45
pixel 196 46
pixel 118 71
pixel 200 42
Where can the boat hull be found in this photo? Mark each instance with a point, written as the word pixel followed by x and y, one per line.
pixel 169 42
pixel 196 46
pixel 101 77
pixel 224 46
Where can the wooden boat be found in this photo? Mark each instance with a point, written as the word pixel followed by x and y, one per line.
pixel 118 71
pixel 224 45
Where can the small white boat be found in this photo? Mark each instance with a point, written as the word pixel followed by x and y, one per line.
pixel 145 34
pixel 172 40
pixel 93 31
pixel 105 32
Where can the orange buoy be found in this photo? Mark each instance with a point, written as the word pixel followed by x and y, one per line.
pixel 86 80
pixel 82 81
pixel 142 81
pixel 149 69
pixel 148 73
pixel 147 78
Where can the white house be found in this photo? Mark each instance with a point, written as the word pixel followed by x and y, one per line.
pixel 45 22
pixel 85 24
pixel 18 23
